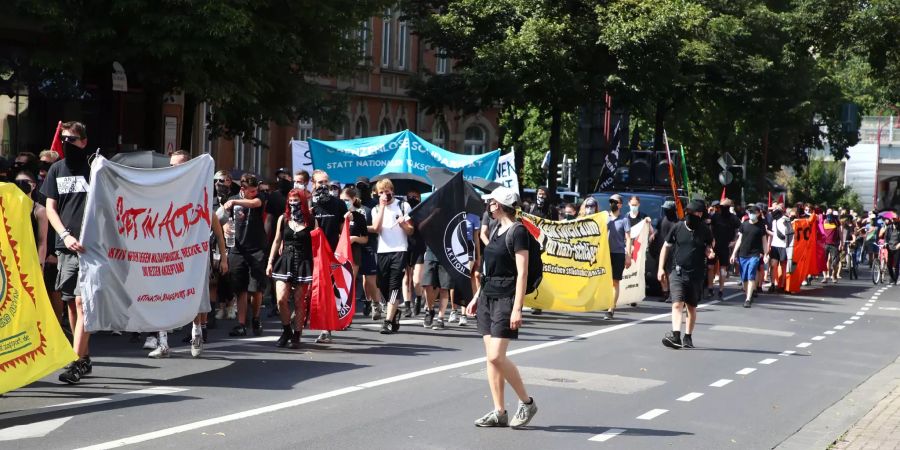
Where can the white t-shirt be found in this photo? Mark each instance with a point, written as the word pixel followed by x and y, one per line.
pixel 392 238
pixel 780 226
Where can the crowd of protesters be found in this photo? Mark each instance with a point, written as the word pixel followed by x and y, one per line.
pixel 261 253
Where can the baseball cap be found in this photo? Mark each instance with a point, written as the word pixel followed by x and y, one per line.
pixel 616 197
pixel 714 203
pixel 503 195
pixel 364 181
pixel 696 205
pixel 668 204
pixel 282 170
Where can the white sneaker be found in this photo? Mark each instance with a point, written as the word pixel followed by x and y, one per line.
pixel 162 352
pixel 196 346
pixel 454 317
pixel 232 312
pixel 324 338
pixel 220 314
pixel 151 343
pixel 463 320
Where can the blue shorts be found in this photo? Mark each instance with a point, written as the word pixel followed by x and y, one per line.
pixel 749 267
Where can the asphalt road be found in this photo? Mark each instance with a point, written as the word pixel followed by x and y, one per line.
pixel 756 377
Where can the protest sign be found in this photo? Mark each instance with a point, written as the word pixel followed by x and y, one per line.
pixel 803 253
pixel 506 173
pixel 333 299
pixel 301 159
pixel 146 241
pixel 633 285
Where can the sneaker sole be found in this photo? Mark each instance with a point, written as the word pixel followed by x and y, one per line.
pixel 671 344
pixel 525 423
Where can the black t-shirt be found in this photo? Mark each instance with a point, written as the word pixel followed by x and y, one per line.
pixel 249 230
pixel 68 186
pixel 372 245
pixel 330 217
pixel 632 221
pixel 358 228
pixel 275 205
pixel 752 238
pixel 690 249
pixel 547 212
pixel 499 265
pixel 724 227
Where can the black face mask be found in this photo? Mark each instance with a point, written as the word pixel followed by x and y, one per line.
pixel 322 195
pixel 777 214
pixel 614 207
pixel 569 216
pixel 670 214
pixel 75 155
pixel 222 190
pixel 284 186
pixel 44 165
pixel 539 202
pixel 692 221
pixel 25 186
pixel 296 212
pixel 413 202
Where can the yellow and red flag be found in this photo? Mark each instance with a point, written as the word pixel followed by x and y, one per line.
pixel 32 343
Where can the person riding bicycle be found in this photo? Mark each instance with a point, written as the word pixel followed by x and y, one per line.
pixel 891 235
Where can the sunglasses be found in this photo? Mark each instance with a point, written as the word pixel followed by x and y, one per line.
pixel 69 139
pixel 219 181
pixel 614 202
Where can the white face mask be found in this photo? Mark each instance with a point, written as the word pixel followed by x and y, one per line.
pixel 300 186
pixel 634 210
pixel 590 209
pixel 753 217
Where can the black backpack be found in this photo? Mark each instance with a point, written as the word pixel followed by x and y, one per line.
pixel 535 265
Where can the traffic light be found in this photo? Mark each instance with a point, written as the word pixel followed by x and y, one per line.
pixel 639 171
pixel 662 167
pixel 565 172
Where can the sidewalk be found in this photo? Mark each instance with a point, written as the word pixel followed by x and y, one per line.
pixel 879 429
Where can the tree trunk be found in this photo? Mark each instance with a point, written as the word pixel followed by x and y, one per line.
pixel 555 125
pixel 659 126
pixel 188 119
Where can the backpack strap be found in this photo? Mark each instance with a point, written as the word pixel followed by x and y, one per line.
pixel 508 238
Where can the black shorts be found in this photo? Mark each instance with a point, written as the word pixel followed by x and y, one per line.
pixel 368 266
pixel 50 273
pixel 723 255
pixel 416 256
pixel 436 276
pixel 391 269
pixel 778 254
pixel 493 316
pixel 248 271
pixel 683 288
pixel 617 261
pixel 67 276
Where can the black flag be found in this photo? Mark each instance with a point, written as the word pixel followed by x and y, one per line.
pixel 441 220
pixel 611 163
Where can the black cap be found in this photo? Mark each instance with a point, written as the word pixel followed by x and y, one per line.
pixel 282 170
pixel 696 206
pixel 714 203
pixel 363 180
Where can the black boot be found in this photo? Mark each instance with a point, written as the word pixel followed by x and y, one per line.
pixel 285 336
pixel 295 339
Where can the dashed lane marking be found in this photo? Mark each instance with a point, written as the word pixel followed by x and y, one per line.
pixel 607 435
pixel 652 414
pixel 840 327
pixel 787 353
pixel 746 371
pixel 768 361
pixel 721 383
pixel 804 344
pixel 849 322
pixel 830 332
pixel 818 338
pixel 690 397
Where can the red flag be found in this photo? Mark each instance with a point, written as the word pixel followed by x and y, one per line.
pixel 770 199
pixel 333 300
pixel 723 195
pixel 56 144
pixel 781 199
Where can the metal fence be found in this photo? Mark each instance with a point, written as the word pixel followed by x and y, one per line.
pixel 890 130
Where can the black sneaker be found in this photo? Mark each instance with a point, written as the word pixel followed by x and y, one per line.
pixel 687 342
pixel 608 316
pixel 746 303
pixel 671 341
pixel 417 307
pixel 286 335
pixel 438 324
pixel 429 319
pixel 71 373
pixel 386 328
pixel 211 321
pixel 709 293
pixel 238 330
pixel 257 327
pixel 721 295
pixel 367 309
pixel 407 309
pixel 395 325
pixel 537 311
pixel 295 340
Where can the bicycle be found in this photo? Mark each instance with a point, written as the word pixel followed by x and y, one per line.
pixel 879 264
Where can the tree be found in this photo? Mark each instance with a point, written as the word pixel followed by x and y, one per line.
pixel 823 183
pixel 254 61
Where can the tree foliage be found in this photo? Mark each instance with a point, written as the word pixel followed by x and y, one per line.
pixel 822 182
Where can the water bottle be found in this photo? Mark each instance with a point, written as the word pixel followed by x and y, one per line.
pixel 229 233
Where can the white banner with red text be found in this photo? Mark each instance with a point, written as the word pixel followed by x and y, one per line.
pixel 146 238
pixel 632 288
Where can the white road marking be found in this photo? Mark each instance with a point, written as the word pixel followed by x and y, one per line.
pixel 607 435
pixel 721 383
pixel 86 401
pixel 864 308
pixel 840 327
pixel 830 332
pixel 746 371
pixel 159 390
pixel 818 338
pixel 652 414
pixel 768 361
pixel 804 344
pixel 854 318
pixel 690 397
pixel 787 353
pixel 750 330
pixel 32 430
pixel 849 322
pixel 131 440
pixel 889 308
pixel 860 313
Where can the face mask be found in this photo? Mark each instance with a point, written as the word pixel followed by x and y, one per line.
pixel 388 196
pixel 569 216
pixel 670 214
pixel 413 202
pixel 44 165
pixel 590 209
pixel 753 217
pixel 777 214
pixel 74 154
pixel 349 204
pixel 614 207
pixel 284 186
pixel 296 212
pixel 693 221
pixel 539 202
pixel 322 195
pixel 634 210
pixel 222 189
pixel 300 186
pixel 25 186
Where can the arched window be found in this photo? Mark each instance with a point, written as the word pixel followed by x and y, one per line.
pixel 384 127
pixel 343 130
pixel 401 125
pixel 475 141
pixel 362 128
pixel 440 135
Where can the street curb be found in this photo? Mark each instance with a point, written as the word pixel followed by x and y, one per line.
pixel 832 423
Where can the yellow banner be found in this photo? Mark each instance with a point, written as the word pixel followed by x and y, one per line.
pixel 31 342
pixel 577 273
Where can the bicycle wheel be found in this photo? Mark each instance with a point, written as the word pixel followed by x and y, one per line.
pixel 876 272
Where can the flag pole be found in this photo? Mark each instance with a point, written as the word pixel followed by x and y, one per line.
pixel 684 172
pixel 678 205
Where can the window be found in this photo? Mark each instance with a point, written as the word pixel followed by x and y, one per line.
pixel 440 134
pixel 362 128
pixel 261 151
pixel 475 141
pixel 363 36
pixel 304 130
pixel 343 131
pixel 386 39
pixel 441 67
pixel 402 44
pixel 243 157
pixel 384 127
pixel 401 125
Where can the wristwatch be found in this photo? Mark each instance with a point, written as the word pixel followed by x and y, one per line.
pixel 65 233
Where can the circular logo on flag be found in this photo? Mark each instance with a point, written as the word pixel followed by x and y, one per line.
pixel 342 282
pixel 458 249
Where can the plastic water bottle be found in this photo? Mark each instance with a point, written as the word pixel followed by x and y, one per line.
pixel 229 233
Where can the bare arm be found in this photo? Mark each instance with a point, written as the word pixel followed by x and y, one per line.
pixel 245 202
pixel 41 239
pixel 71 242
pixel 276 244
pixel 484 235
pixel 661 271
pixel 515 320
pixel 377 220
pixel 220 241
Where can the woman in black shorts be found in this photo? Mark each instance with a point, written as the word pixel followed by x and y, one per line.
pixel 499 308
pixel 293 270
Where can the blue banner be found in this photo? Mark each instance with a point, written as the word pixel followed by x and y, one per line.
pixel 402 152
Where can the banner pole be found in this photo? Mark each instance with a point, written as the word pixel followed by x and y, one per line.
pixel 684 172
pixel 679 207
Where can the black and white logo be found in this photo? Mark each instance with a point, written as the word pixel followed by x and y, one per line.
pixel 459 250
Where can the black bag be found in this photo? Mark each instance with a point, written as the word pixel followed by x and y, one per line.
pixel 535 265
